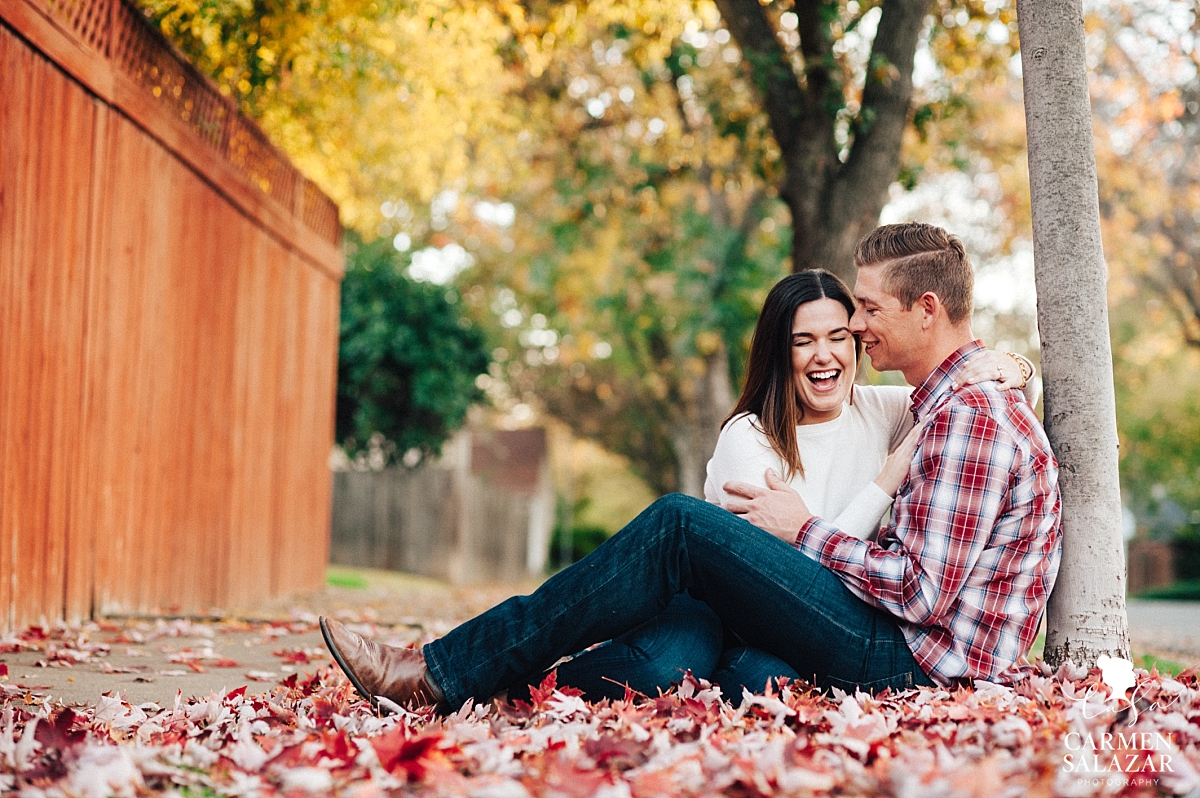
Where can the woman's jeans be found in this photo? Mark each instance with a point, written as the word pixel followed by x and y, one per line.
pixel 770 595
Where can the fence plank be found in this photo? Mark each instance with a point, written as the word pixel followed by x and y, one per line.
pixel 44 260
pixel 168 334
pixel 414 521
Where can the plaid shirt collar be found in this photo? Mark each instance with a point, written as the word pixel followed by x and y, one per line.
pixel 940 383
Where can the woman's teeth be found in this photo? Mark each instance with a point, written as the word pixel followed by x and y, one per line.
pixel 819 377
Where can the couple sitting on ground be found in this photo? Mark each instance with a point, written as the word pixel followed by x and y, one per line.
pixel 784 571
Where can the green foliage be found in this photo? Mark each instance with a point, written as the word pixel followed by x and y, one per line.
pixel 628 140
pixel 584 540
pixel 648 238
pixel 1186 550
pixel 1158 406
pixel 408 359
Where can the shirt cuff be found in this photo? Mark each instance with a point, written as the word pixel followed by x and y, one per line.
pixel 815 536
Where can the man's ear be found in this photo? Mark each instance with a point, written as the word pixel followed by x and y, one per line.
pixel 929 304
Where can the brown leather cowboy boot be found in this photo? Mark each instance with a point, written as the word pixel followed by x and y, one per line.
pixel 397 674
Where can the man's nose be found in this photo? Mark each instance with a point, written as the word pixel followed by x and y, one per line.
pixel 857 324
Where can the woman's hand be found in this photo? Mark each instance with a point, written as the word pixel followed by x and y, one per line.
pixel 898 462
pixel 988 365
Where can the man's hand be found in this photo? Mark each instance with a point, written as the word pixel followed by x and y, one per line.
pixel 776 508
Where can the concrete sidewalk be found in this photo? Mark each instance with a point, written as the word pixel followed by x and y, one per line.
pixel 153 659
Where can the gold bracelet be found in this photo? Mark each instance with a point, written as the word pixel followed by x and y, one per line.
pixel 1026 369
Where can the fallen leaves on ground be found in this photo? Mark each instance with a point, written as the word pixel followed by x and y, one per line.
pixel 311 734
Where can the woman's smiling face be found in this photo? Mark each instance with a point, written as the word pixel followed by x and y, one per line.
pixel 822 359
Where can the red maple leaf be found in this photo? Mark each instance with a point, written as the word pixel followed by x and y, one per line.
pixel 516 710
pixel 323 709
pixel 339 748
pixel 296 656
pixel 541 694
pixel 57 734
pixel 399 755
pixel 615 752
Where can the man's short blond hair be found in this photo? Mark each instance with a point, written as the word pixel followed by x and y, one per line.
pixel 920 258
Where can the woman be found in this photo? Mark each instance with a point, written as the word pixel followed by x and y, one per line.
pixel 801 415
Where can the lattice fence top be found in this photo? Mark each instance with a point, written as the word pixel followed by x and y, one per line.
pixel 121 33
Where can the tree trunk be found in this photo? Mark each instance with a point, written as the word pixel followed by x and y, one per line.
pixel 835 197
pixel 694 436
pixel 1086 613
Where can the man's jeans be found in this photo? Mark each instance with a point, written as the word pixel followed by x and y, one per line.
pixel 772 596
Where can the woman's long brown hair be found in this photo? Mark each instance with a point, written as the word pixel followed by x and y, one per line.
pixel 770 392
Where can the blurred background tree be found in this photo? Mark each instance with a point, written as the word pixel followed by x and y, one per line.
pixel 612 186
pixel 407 360
pixel 1146 94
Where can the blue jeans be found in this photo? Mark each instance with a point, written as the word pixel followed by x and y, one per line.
pixel 772 596
pixel 687 635
pixel 746 668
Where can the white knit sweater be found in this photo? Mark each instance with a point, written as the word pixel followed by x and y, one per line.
pixel 841 458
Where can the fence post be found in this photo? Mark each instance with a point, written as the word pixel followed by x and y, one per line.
pixel 460 555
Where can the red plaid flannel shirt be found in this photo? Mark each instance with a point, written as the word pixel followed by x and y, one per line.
pixel 973 548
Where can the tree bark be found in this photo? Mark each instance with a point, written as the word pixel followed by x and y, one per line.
pixel 1086 613
pixel 695 432
pixel 834 201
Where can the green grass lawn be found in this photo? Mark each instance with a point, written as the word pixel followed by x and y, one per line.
pixel 1185 590
pixel 346 577
pixel 1149 661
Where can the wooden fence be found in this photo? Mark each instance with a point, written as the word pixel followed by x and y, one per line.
pixel 168 331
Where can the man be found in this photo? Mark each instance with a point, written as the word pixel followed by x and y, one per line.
pixel 952 589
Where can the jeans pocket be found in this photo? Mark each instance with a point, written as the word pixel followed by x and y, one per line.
pixel 897 684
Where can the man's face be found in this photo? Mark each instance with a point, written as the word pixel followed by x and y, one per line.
pixel 890 334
